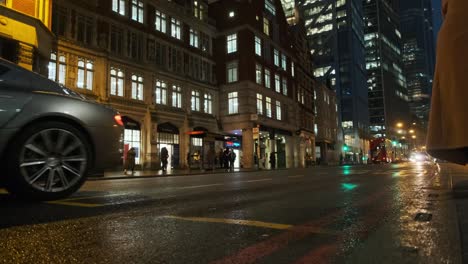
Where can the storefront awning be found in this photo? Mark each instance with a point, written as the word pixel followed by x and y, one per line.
pixel 130 123
pixel 168 128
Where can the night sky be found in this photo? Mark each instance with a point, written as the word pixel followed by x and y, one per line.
pixel 437 17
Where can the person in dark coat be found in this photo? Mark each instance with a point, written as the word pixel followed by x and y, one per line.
pixel 272 160
pixel 164 157
pixel 232 159
pixel 130 161
pixel 226 159
pixel 189 163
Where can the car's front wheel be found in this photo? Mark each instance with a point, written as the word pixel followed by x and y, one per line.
pixel 47 161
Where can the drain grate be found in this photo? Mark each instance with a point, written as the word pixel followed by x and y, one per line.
pixel 423 217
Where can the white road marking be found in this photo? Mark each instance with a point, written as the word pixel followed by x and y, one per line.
pixel 200 186
pixel 268 179
pixel 296 176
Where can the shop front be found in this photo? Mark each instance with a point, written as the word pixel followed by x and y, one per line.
pixel 168 137
pixel 132 137
pixel 234 143
pixel 198 148
pixel 271 148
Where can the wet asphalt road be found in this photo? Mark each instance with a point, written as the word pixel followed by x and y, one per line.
pixel 360 214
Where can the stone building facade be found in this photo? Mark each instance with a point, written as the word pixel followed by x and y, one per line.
pixel 150 59
pixel 256 63
pixel 326 125
pixel 192 76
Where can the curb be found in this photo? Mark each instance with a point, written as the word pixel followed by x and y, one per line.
pixel 104 178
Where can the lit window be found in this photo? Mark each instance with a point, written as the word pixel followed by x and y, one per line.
pixel 197 142
pixel 161 92
pixel 258 46
pixel 232 14
pixel 160 22
pixel 266 26
pixel 233 103
pixel 118 6
pixel 278 110
pixel 277 83
pixel 267 78
pixel 62 69
pixel 232 72
pixel 176 96
pixel 292 69
pixel 259 104
pixel 283 61
pixel 196 9
pixel 231 43
pixel 276 57
pixel 137 10
pixel 175 28
pixel 208 104
pixel 268 106
pixel 117 82
pixel 199 9
pixel 193 38
pixel 270 6
pixel 53 67
pixel 285 86
pixel 137 87
pixel 258 73
pixel 85 74
pixel 195 101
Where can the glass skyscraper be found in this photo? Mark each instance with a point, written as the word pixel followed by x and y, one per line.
pixel 335 32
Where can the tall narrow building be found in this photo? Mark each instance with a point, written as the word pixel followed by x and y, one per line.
pixel 25 33
pixel 418 54
pixel 388 95
pixel 256 72
pixel 335 33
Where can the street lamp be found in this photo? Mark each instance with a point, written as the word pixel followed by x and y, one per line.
pixel 399 124
pixel 411 131
pixel 413 136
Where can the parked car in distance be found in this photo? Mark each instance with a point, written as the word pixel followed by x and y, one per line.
pixel 50 136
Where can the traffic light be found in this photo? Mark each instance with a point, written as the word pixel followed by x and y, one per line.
pixel 345 148
pixel 394 143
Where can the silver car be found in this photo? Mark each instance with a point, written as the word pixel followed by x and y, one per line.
pixel 50 136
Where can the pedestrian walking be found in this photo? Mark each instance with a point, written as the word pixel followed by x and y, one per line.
pixel 448 127
pixel 130 161
pixel 221 158
pixel 189 161
pixel 164 158
pixel 272 161
pixel 226 159
pixel 232 159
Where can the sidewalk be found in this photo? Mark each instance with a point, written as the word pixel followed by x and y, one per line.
pixel 114 175
pixel 458 176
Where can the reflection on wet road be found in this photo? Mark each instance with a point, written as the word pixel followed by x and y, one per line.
pixel 352 214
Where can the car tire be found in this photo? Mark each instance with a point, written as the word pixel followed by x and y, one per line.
pixel 47 161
